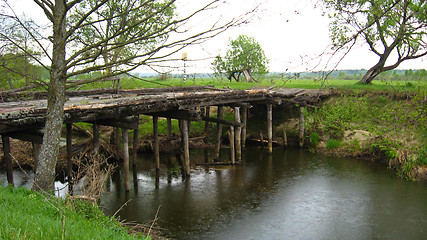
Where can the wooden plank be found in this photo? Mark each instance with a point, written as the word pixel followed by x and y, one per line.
pixel 8 159
pixel 126 158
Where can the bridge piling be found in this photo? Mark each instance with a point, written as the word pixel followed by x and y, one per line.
pixel 126 158
pixel 270 128
pixel 218 132
pixel 238 134
pixel 8 158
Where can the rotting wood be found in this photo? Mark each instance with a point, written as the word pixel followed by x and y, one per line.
pixel 95 134
pixel 244 122
pixel 186 147
pixel 232 145
pixel 34 136
pixel 218 132
pixel 156 142
pixel 8 159
pixel 207 114
pixel 126 158
pixel 36 152
pixel 134 147
pixel 285 138
pixel 169 125
pixel 238 134
pixel 219 164
pixel 69 145
pixel 270 127
pixel 225 122
pixel 301 127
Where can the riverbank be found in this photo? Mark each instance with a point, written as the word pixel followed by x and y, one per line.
pixel 379 126
pixel 33 215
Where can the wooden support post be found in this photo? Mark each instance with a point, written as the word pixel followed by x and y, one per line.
pixel 186 147
pixel 244 121
pixel 218 133
pixel 207 113
pixel 69 128
pixel 95 138
pixel 270 127
pixel 156 142
pixel 285 138
pixel 232 149
pixel 126 158
pixel 8 159
pixel 36 152
pixel 169 123
pixel 301 126
pixel 238 134
pixel 134 147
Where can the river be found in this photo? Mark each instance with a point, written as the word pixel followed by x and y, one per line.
pixel 290 194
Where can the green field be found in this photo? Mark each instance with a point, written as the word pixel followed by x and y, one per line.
pixel 378 85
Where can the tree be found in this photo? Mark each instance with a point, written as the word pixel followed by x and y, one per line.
pixel 244 56
pixel 14 67
pixel 395 30
pixel 72 51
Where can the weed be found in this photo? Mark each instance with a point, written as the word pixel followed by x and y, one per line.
pixel 333 144
pixel 314 139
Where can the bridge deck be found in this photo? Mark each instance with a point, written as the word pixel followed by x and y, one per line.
pixel 99 105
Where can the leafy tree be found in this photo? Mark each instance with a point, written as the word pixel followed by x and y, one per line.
pixel 244 56
pixel 14 67
pixel 68 44
pixel 389 27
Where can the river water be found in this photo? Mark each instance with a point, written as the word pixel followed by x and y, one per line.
pixel 288 195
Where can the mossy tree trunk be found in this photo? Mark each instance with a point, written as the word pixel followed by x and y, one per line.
pixel 45 174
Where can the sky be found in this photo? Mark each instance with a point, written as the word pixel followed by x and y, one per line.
pixel 291 32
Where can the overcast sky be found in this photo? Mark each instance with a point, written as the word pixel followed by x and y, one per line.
pixel 286 29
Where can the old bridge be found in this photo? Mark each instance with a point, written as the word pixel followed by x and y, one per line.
pixel 22 114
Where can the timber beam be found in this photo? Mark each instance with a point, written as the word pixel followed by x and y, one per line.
pixel 190 115
pixel 126 122
pixel 34 136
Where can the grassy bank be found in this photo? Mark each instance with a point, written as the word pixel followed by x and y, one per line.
pixel 30 215
pixel 376 127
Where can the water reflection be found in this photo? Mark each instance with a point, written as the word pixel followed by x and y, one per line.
pixel 287 195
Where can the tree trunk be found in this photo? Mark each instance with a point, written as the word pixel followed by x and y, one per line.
pixel 371 74
pixel 247 75
pixel 45 174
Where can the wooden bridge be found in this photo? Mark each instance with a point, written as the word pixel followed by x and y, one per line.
pixel 22 114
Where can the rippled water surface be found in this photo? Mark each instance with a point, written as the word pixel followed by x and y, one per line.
pixel 288 195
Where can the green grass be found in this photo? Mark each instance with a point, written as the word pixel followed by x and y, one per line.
pixel 377 85
pixel 30 215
